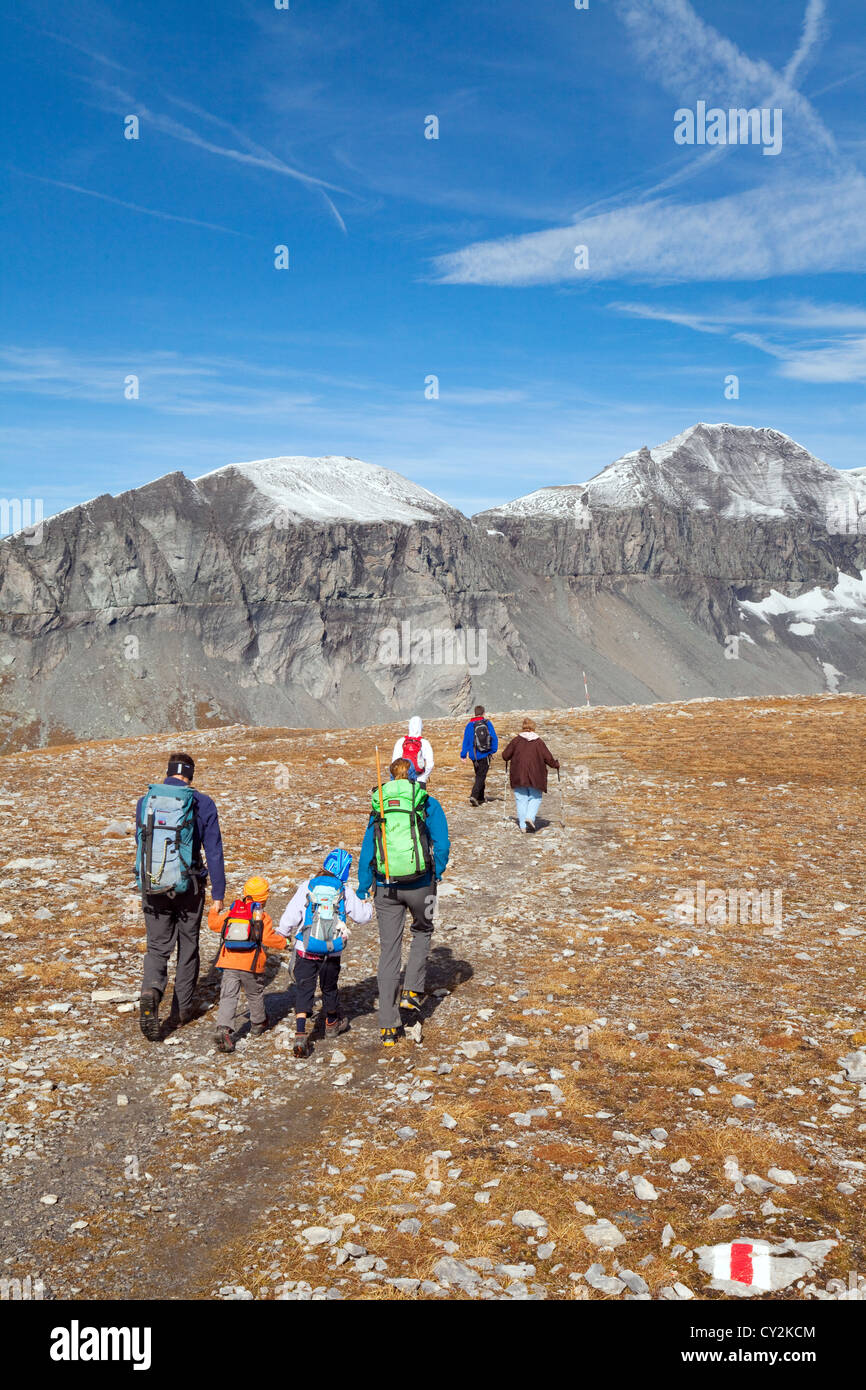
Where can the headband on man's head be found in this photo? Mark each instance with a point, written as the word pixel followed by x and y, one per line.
pixel 181 767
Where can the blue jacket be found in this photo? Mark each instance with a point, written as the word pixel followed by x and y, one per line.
pixel 438 828
pixel 205 836
pixel 468 749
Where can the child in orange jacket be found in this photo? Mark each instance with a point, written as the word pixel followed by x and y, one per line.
pixel 247 932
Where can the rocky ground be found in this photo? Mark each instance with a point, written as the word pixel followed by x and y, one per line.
pixel 606 1094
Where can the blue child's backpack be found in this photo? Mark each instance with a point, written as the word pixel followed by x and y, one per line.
pixel 164 840
pixel 325 912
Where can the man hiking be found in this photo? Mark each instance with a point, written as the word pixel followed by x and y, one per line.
pixel 416 750
pixel 529 758
pixel 407 831
pixel 174 823
pixel 479 744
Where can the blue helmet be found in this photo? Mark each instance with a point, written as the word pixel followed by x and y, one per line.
pixel 339 863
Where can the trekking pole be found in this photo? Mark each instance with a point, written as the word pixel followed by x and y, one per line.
pixel 382 816
pixel 561 811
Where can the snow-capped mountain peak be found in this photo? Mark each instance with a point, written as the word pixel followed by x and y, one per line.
pixel 331 488
pixel 732 470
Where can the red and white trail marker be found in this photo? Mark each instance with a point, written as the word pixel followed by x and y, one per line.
pixel 743 1262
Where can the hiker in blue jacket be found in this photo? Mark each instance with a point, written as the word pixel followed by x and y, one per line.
pixel 174 920
pixel 417 895
pixel 479 744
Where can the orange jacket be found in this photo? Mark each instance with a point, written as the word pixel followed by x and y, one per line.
pixel 243 960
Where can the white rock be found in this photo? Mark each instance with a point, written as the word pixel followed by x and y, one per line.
pixel 474 1047
pixel 644 1190
pixel 529 1221
pixel 723 1213
pixel 682 1165
pixel 667 1235
pixel 741 1102
pixel 603 1234
pixel 48 1198
pixel 319 1235
pixel 113 996
pixel 344 1078
pixel 783 1176
pixel 511 1040
pixel 854 1065
pixel 123 1100
pixel 206 1098
pixel 448 1121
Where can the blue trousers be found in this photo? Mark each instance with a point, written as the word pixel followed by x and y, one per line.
pixel 527 801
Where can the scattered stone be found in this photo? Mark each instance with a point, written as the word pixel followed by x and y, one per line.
pixel 474 1048
pixel 682 1165
pixel 48 1198
pixel 453 1273
pixel 207 1098
pixel 410 1227
pixel 783 1176
pixel 644 1190
pixel 604 1283
pixel 530 1221
pixel 603 1234
pixel 448 1121
pixel 723 1213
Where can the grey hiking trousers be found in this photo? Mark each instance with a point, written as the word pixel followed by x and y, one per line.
pixel 254 988
pixel 392 905
pixel 173 922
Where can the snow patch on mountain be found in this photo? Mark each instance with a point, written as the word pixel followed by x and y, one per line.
pixel 846 600
pixel 325 489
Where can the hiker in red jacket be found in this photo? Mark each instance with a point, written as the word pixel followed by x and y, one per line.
pixel 529 758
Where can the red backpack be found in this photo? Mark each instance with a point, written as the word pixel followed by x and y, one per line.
pixel 412 751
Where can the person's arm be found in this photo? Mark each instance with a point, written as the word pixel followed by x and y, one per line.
pixel 359 911
pixel 270 938
pixel 366 859
pixel 548 756
pixel 438 828
pixel 396 753
pixel 293 912
pixel 212 844
pixel 427 754
pixel 509 751
pixel 464 747
pixel 494 741
pixel 216 918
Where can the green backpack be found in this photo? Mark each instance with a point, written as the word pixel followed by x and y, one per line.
pixel 403 812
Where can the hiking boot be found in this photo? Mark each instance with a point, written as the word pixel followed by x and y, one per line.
pixel 410 999
pixel 302 1046
pixel 148 1015
pixel 333 1030
pixel 256 1029
pixel 473 802
pixel 389 1037
pixel 530 827
pixel 224 1040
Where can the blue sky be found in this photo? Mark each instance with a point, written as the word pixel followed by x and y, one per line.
pixel 412 257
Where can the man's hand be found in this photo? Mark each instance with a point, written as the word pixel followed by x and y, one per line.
pixel 218 904
pixel 463 757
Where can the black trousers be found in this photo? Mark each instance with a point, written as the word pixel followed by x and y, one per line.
pixel 325 970
pixel 481 766
pixel 173 922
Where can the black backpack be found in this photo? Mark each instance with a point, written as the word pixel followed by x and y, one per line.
pixel 482 738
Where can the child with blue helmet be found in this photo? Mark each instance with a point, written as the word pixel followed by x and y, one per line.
pixel 317 917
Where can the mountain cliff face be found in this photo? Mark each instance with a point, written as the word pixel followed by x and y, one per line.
pixel 319 591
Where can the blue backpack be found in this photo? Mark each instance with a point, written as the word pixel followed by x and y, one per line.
pixel 164 840
pixel 320 934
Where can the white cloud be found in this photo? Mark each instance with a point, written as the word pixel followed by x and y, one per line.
pixel 808 217
pixel 784 228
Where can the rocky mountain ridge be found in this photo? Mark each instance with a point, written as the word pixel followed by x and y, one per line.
pixel 319 591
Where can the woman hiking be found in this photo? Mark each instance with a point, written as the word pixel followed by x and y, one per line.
pixel 528 757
